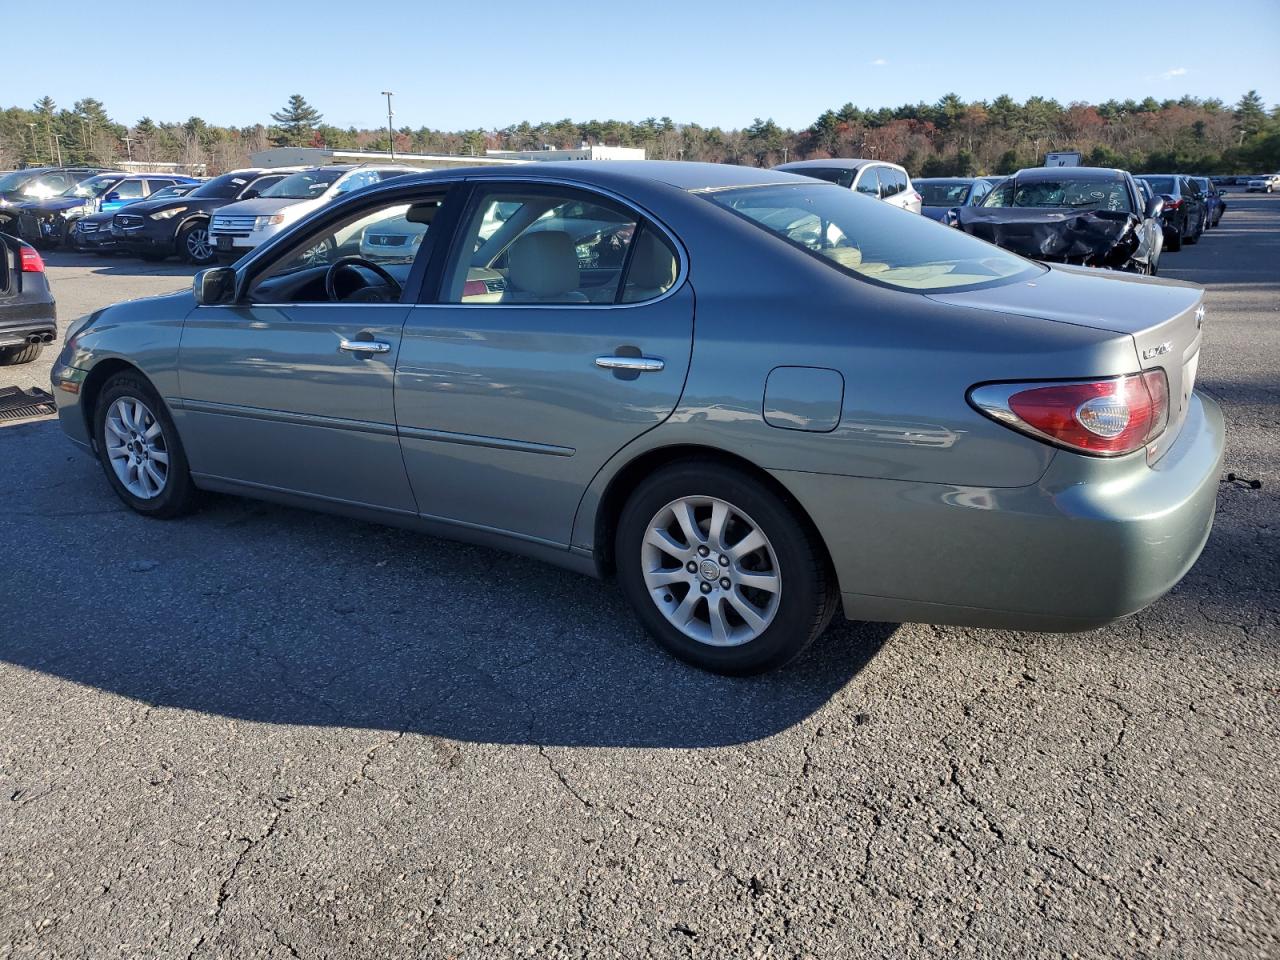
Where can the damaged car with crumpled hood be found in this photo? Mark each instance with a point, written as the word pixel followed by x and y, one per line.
pixel 1091 216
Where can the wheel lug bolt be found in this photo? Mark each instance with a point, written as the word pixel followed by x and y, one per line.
pixel 724 561
pixel 705 588
pixel 724 582
pixel 703 551
pixel 691 567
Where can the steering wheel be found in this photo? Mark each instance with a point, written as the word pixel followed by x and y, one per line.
pixel 347 264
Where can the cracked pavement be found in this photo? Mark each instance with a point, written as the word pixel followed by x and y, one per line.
pixel 265 733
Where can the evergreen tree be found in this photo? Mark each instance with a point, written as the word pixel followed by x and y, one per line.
pixel 297 121
pixel 1251 116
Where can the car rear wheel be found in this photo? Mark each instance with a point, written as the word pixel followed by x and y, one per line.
pixel 723 572
pixel 139 449
pixel 194 245
pixel 24 353
pixel 1174 241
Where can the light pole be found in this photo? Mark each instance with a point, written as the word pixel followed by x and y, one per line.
pixel 391 135
pixel 128 146
pixel 57 138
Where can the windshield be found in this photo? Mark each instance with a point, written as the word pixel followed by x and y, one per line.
pixel 225 187
pixel 943 193
pixel 872 240
pixel 12 181
pixel 303 186
pixel 1161 184
pixel 93 187
pixel 1064 192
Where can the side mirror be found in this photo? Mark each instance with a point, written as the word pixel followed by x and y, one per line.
pixel 215 286
pixel 111 197
pixel 250 194
pixel 1155 207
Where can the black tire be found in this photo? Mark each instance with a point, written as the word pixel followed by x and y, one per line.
pixel 1196 234
pixel 187 248
pixel 808 596
pixel 1174 241
pixel 24 353
pixel 179 494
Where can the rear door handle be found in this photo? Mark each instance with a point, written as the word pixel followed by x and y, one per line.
pixel 364 346
pixel 633 364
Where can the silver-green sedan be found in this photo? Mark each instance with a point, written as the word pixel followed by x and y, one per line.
pixel 750 396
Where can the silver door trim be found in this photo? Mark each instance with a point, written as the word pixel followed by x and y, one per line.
pixel 478 440
pixel 286 416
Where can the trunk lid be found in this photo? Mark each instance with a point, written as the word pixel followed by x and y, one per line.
pixel 1163 317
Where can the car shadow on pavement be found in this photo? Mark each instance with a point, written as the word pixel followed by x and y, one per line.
pixel 268 614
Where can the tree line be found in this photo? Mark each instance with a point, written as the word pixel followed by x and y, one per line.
pixel 948 138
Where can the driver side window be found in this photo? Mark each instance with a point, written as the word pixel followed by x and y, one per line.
pixel 366 257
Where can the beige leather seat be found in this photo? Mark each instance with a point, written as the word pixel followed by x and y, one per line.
pixel 542 267
pixel 653 269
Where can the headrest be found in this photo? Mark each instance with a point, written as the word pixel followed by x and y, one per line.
pixel 652 265
pixel 544 263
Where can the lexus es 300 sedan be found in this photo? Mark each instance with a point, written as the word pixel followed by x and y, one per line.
pixel 752 397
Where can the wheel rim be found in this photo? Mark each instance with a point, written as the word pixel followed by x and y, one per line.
pixel 711 571
pixel 317 254
pixel 137 448
pixel 198 244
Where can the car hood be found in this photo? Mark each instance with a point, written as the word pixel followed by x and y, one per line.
pixel 259 206
pixel 1086 297
pixel 191 203
pixel 54 204
pixel 1100 237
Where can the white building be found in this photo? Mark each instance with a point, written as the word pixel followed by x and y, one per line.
pixel 323 156
pixel 585 152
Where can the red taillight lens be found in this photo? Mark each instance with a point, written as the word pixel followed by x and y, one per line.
pixel 1173 204
pixel 1103 417
pixel 474 288
pixel 31 262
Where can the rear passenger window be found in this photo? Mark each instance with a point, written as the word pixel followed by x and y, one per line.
pixel 869 183
pixel 653 267
pixel 541 247
pixel 892 182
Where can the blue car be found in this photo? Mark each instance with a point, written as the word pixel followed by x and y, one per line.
pixel 941 195
pixel 48 223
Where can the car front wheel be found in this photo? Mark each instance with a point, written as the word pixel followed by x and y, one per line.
pixel 194 244
pixel 139 449
pixel 724 572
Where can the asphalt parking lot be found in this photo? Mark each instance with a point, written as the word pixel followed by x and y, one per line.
pixel 260 732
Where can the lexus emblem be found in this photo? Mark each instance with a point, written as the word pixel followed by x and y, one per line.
pixel 1159 351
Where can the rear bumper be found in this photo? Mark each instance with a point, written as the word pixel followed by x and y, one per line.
pixel 19 324
pixel 1093 541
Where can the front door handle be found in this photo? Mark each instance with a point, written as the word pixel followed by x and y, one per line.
pixel 632 364
pixel 364 346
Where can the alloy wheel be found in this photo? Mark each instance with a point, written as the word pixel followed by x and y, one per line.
pixel 198 246
pixel 137 448
pixel 711 571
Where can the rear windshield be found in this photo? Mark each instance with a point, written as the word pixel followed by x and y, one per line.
pixel 943 194
pixel 835 175
pixel 1062 192
pixel 872 240
pixel 1161 184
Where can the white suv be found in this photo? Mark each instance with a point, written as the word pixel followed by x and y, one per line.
pixel 875 178
pixel 239 227
pixel 1268 183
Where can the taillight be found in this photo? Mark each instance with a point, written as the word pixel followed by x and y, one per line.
pixel 1173 204
pixel 1106 418
pixel 474 288
pixel 31 262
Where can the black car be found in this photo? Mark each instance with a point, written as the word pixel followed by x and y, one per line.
pixel 28 319
pixel 36 183
pixel 156 229
pixel 48 223
pixel 93 233
pixel 1092 216
pixel 1185 212
pixel 941 195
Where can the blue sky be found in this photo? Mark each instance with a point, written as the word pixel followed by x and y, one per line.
pixel 494 63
